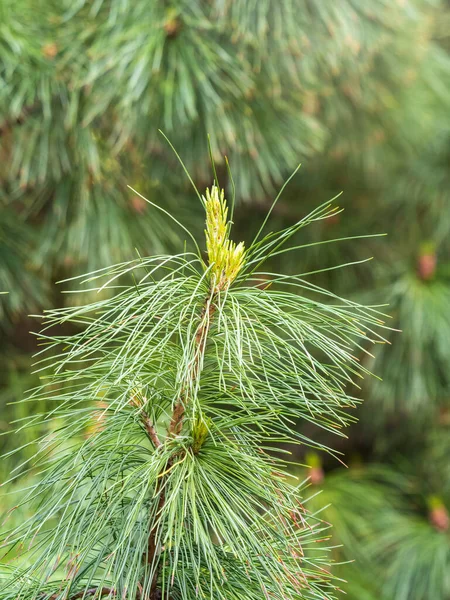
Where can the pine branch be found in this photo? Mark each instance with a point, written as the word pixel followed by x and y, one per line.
pixel 225 260
pixel 175 427
pixel 147 424
pixel 205 500
pixel 152 547
pixel 208 310
pixel 150 429
pixel 95 591
pixel 104 591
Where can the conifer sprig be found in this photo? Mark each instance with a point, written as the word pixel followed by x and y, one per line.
pixel 162 474
pixel 224 256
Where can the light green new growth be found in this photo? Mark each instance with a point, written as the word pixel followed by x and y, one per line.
pixel 224 256
pixel 162 473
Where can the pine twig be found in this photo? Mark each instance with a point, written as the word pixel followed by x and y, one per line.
pixel 151 431
pixel 175 427
pixel 100 592
pixel 179 410
pixel 147 423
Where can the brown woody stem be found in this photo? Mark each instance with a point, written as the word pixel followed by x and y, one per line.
pixel 95 591
pixel 151 431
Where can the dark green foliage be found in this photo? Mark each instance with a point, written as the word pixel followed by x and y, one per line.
pixel 356 90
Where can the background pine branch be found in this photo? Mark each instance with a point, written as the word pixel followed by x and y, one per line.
pixel 356 91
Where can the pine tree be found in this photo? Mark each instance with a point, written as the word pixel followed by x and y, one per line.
pixel 357 91
pixel 164 476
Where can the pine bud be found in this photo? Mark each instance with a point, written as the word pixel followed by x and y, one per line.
pixel 316 473
pixel 50 50
pixel 438 514
pixel 138 204
pixel 200 432
pixel 426 262
pixel 226 258
pixel 173 24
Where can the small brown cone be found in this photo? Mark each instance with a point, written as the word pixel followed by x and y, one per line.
pixel 50 50
pixel 438 514
pixel 427 262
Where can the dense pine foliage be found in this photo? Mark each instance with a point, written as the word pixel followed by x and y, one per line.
pixel 172 483
pixel 357 91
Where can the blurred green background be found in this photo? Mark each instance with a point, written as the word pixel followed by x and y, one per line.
pixel 356 90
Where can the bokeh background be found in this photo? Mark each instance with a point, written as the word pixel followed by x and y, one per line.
pixel 358 91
